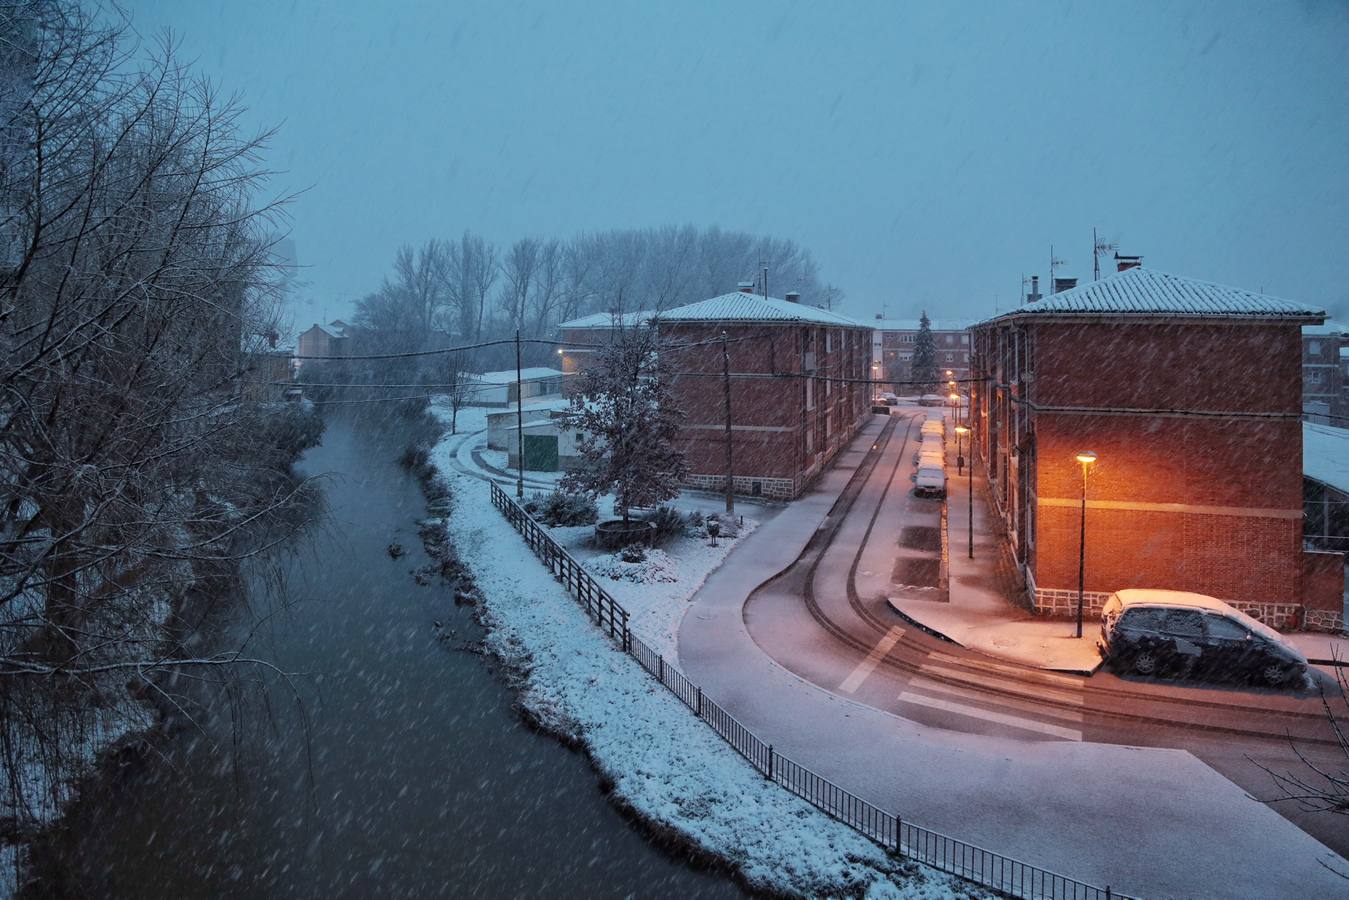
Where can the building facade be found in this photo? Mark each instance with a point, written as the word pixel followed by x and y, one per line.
pixel 1198 480
pixel 1323 384
pixel 322 340
pixel 892 343
pixel 798 385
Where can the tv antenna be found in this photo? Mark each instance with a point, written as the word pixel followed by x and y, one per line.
pixel 1054 263
pixel 1098 249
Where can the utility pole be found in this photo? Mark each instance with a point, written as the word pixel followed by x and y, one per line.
pixel 519 425
pixel 726 390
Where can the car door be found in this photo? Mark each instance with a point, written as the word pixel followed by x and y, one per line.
pixel 1185 630
pixel 1230 649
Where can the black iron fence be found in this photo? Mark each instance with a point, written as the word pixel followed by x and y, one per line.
pixel 933 848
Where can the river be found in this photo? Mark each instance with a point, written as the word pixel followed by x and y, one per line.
pixel 402 770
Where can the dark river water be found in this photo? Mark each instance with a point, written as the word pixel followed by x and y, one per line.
pixel 401 772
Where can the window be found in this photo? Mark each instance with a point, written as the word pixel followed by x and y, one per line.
pixel 948 357
pixel 1314 376
pixel 1184 623
pixel 809 384
pixel 1143 619
pixel 1225 629
pixel 1314 348
pixel 828 341
pixel 964 340
pixel 906 339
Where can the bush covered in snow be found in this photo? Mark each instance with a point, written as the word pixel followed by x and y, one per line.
pixel 669 524
pixel 561 508
pixel 654 566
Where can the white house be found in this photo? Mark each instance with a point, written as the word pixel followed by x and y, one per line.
pixel 499 388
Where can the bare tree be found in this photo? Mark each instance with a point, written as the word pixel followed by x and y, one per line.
pixel 470 271
pixel 130 465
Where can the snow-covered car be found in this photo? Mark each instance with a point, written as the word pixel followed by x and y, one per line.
pixel 1154 632
pixel 930 482
pixel 931 400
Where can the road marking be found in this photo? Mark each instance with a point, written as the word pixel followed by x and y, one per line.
pixel 988 715
pixel 1034 691
pixel 944 690
pixel 1068 681
pixel 868 665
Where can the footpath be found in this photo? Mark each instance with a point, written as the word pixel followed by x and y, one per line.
pixel 978 615
pixel 1132 818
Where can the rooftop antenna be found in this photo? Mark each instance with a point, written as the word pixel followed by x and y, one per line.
pixel 1098 249
pixel 1054 263
pixel 763 267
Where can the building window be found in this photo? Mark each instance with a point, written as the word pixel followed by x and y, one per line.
pixel 948 357
pixel 964 340
pixel 1314 376
pixel 829 342
pixel 906 339
pixel 1314 348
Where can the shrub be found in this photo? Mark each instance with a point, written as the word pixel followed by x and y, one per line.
pixel 561 508
pixel 696 524
pixel 633 553
pixel 669 523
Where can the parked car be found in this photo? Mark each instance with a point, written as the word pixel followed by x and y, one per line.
pixel 930 482
pixel 931 400
pixel 1154 632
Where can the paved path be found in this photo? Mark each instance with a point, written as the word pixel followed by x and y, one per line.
pixel 1126 816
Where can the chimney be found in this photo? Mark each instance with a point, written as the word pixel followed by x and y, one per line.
pixel 793 297
pixel 745 287
pixel 878 315
pixel 1034 289
pixel 1064 284
pixel 1123 263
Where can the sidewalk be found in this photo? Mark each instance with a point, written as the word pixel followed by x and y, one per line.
pixel 1106 814
pixel 978 616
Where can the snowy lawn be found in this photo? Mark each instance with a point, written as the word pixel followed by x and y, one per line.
pixel 662 761
pixel 655 592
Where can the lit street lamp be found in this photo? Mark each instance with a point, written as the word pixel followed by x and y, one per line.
pixel 1086 458
pixel 961 431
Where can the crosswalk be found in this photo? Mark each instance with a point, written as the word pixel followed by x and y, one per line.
pixel 947 684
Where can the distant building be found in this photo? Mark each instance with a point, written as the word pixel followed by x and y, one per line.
pixel 267 375
pixel 329 340
pixel 1197 485
pixel 1323 382
pixel 581 339
pixel 798 379
pixel 892 342
pixel 501 388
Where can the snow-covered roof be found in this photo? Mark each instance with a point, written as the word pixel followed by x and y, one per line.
pixel 534 373
pixel 1325 455
pixel 1148 292
pixel 336 328
pixel 915 324
pixel 609 320
pixel 738 306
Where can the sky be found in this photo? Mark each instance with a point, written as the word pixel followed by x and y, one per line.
pixel 928 154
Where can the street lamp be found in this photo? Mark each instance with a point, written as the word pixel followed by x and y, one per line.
pixel 961 431
pixel 1086 458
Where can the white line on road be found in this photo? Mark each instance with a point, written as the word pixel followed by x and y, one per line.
pixel 988 715
pixel 1068 681
pixel 1035 691
pixel 1009 705
pixel 868 665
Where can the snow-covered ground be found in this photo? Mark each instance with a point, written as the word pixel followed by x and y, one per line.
pixel 662 761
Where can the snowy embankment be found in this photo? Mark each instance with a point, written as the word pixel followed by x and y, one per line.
pixel 664 764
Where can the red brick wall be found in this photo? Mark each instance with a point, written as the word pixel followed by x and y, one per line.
pixel 1244 542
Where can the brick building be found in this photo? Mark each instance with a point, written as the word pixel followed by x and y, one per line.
pixel 892 344
pixel 323 340
pixel 797 379
pixel 1323 385
pixel 1198 483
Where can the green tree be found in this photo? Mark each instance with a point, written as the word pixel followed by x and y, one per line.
pixel 924 367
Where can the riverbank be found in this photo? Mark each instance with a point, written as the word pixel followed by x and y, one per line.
pixel 662 764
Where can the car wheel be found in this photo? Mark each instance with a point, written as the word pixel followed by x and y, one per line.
pixel 1276 674
pixel 1145 663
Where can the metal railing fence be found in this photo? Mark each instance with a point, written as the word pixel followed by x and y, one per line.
pixel 969 861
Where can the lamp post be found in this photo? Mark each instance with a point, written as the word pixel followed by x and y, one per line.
pixel 1086 458
pixel 961 431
